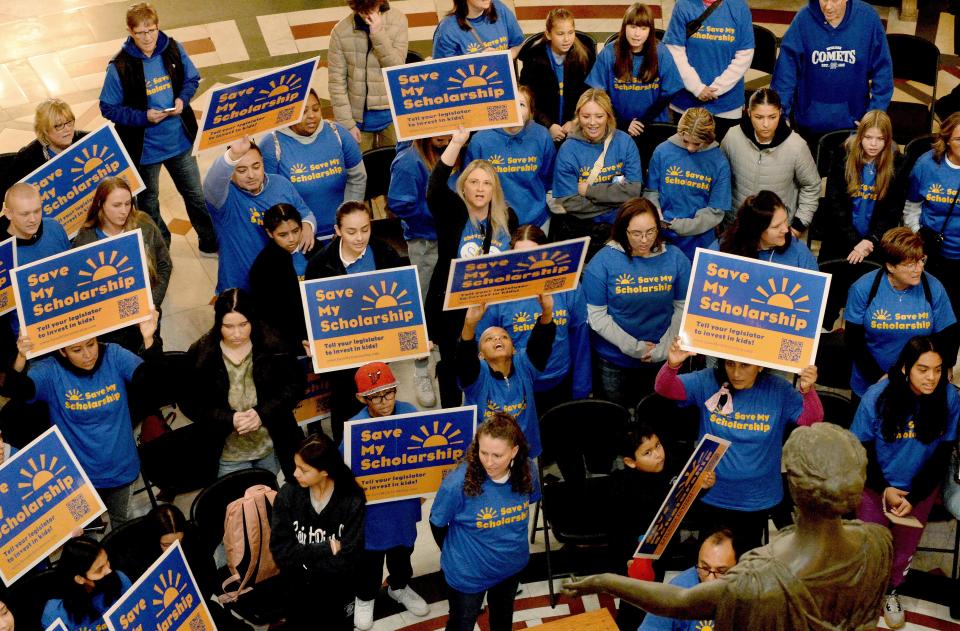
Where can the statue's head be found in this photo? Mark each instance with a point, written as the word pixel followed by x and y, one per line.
pixel 826 469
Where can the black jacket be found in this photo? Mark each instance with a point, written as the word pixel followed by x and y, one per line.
pixel 280 384
pixel 538 75
pixel 327 263
pixel 28 159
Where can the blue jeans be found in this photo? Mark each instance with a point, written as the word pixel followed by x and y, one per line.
pixel 465 608
pixel 185 173
pixel 268 462
pixel 117 501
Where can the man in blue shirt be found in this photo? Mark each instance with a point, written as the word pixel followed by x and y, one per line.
pixel 147 93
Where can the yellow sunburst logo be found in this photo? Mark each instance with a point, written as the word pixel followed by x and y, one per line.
pixel 704 625
pixel 784 297
pixel 104 266
pixel 283 85
pixel 881 315
pixel 474 77
pixel 521 317
pixel 487 512
pixel 585 172
pixel 492 408
pixel 298 168
pixel 436 437
pixel 935 189
pixel 544 260
pixel 674 171
pixel 256 216
pixel 90 159
pixel 474 47
pixel 624 279
pixel 496 160
pixel 37 475
pixel 384 298
pixel 73 394
pixel 168 590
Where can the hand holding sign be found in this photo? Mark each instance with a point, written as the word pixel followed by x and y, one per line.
pixel 676 356
pixel 808 377
pixel 239 148
pixel 546 308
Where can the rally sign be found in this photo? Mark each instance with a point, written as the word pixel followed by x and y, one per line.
pixel 407 455
pixel 57 626
pixel 44 497
pixel 430 98
pixel 516 274
pixel 8 261
pixel 315 403
pixel 753 311
pixel 355 319
pixel 72 296
pixel 68 181
pixel 253 106
pixel 703 460
pixel 165 598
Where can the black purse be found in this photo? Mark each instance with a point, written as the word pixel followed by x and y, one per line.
pixel 694 25
pixel 933 240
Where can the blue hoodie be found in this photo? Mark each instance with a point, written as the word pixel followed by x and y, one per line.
pixel 634 99
pixel 449 40
pixel 524 163
pixel 407 195
pixel 824 74
pixel 571 346
pixel 164 139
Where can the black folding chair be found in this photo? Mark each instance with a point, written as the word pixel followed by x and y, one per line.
pixel 917 60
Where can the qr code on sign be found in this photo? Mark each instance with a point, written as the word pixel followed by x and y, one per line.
pixel 790 350
pixel 197 624
pixel 408 340
pixel 78 508
pixel 127 307
pixel 498 112
pixel 553 283
pixel 284 115
pixel 3 300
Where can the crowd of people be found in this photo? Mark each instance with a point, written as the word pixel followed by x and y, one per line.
pixel 737 176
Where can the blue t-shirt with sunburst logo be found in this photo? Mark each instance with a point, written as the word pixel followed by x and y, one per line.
pixel 686 579
pixel 892 317
pixel 935 187
pixel 91 408
pixel 645 101
pixel 449 40
pixel 487 539
pixel 317 167
pixel 524 163
pixel 638 293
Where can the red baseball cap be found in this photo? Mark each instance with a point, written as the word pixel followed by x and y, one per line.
pixel 374 377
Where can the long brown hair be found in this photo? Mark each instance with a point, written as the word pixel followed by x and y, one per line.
pixel 503 426
pixel 577 56
pixel 638 14
pixel 883 162
pixel 108 185
pixel 460 10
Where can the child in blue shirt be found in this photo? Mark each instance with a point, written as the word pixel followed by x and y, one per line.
pixel 321 160
pixel 689 179
pixel 238 193
pixel 466 30
pixel 495 379
pixel 87 588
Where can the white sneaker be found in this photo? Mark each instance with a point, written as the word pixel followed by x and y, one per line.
pixel 409 599
pixel 363 614
pixel 893 611
pixel 424 387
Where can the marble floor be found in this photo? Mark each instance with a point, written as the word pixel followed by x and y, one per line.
pixel 61 47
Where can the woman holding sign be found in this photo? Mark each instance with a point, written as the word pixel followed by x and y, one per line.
pixel 751 408
pixel 908 425
pixel 477 26
pixel 762 231
pixel 55 126
pixel 479 520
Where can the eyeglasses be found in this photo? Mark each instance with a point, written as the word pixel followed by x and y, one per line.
pixel 146 33
pixel 64 125
pixel 646 235
pixel 380 397
pixel 916 264
pixel 706 570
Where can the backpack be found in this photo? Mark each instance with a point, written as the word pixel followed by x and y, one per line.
pixel 246 541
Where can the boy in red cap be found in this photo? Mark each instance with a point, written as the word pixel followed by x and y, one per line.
pixel 390 528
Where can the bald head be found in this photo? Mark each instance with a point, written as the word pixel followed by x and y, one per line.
pixel 22 207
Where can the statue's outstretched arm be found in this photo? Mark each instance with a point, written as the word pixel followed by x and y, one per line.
pixel 669 601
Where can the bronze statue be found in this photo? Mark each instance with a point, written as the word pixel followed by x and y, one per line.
pixel 824 573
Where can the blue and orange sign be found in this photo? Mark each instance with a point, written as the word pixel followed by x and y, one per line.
pixel 315 403
pixel 753 311
pixel 72 296
pixel 430 98
pixel 407 455
pixel 359 318
pixel 165 598
pixel 8 261
pixel 68 181
pixel 44 497
pixel 255 106
pixel 516 274
pixel 678 501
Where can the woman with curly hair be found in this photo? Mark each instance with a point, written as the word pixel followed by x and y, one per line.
pixel 479 520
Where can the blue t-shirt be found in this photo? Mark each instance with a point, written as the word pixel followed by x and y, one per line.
pixel 92 412
pixel 317 169
pixel 688 578
pixel 748 475
pixel 299 264
pixel 893 317
pixel 903 458
pixel 375 120
pixel 471 239
pixel 571 346
pixel 797 254
pixel 487 539
pixel 407 195
pixel 52 241
pixel 449 40
pixel 513 395
pixel 363 264
pixel 557 64
pixel 687 182
pixel 575 160
pixel 638 293
pixel 634 99
pixel 865 199
pixel 935 185
pixel 524 164
pixel 390 524
pixel 712 48
pixel 54 609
